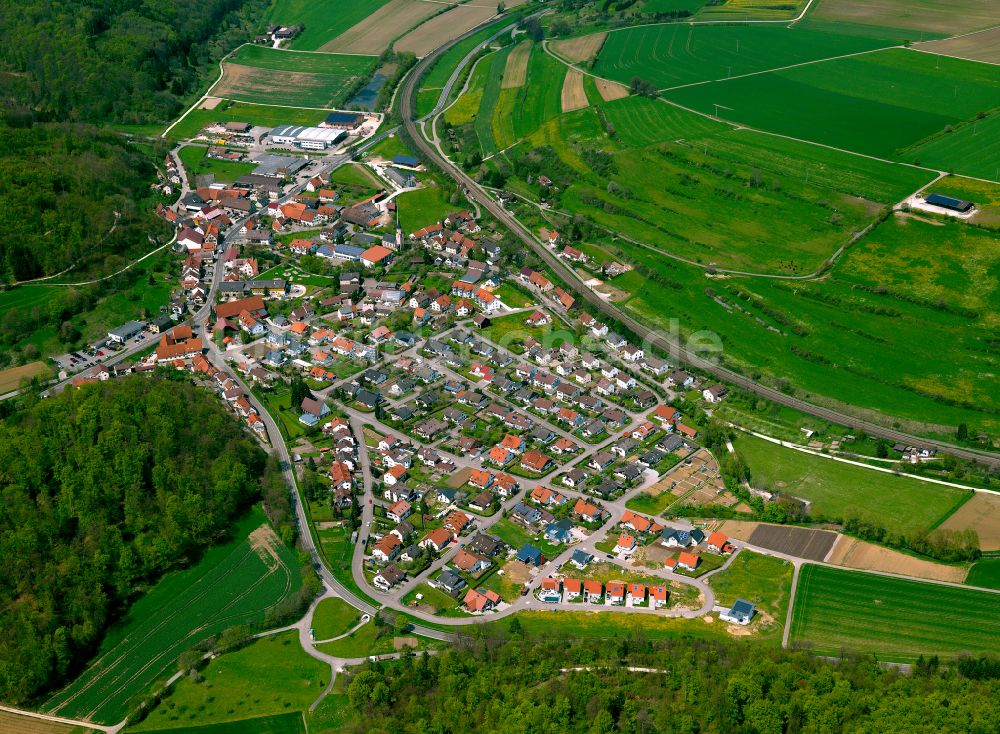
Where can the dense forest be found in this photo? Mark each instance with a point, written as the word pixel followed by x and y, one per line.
pixel 104 489
pixel 83 187
pixel 123 61
pixel 726 687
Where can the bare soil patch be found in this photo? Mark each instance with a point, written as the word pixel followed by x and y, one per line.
pixel 854 553
pixel 517 572
pixel 398 643
pixel 11 723
pixel 210 103
pixel 442 28
pixel 515 72
pixel 580 50
pixel 573 95
pixel 933 16
pixel 982 514
pixel 374 34
pixel 800 542
pixel 10 379
pixel 611 91
pixel 739 529
pixel 459 478
pixel 265 544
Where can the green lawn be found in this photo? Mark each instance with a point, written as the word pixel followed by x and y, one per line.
pixel 878 104
pixel 289 723
pixel 423 207
pixel 764 581
pixel 333 617
pixel 442 602
pixel 516 536
pixel 514 296
pixel 196 163
pixel 649 505
pixel 271 676
pixel 230 585
pixel 369 641
pixel 606 625
pixel 322 22
pixel 895 619
pixel 362 181
pixel 841 491
pixel 985 573
pixel 673 54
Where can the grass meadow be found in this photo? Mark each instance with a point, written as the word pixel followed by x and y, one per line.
pixel 271 677
pixel 839 490
pixel 894 619
pixel 736 10
pixel 985 573
pixel 423 207
pixel 675 54
pixel 234 583
pixel 764 581
pixel 322 23
pixel 332 617
pixel 878 104
pixel 197 163
pixel 289 723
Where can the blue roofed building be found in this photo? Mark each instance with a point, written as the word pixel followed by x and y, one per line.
pixel 406 160
pixel 531 555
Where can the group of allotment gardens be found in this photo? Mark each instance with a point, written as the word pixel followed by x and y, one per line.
pixel 501 417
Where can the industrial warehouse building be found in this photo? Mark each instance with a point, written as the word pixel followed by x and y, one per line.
pixel 308 138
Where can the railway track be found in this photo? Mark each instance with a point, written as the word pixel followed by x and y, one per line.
pixel 668 346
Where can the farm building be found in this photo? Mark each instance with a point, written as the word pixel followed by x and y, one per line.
pixel 406 160
pixel 343 120
pixel 308 138
pixel 948 202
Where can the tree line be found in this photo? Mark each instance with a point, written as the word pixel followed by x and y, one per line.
pixel 105 489
pixel 703 686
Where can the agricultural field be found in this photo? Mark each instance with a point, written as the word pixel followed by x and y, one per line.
pixel 466 107
pixel 435 32
pixel 982 514
pixel 234 583
pixel 985 573
pixel 321 23
pixel 515 72
pixel 677 54
pixel 290 723
pixel 11 378
pixel 486 119
pixel 982 46
pixel 196 163
pixel 265 75
pixel 946 17
pixel 880 104
pixel 894 619
pixel 839 490
pixel 735 10
pixel 764 581
pixel 859 554
pixel 574 97
pixel 11 723
pixel 230 111
pixel 971 148
pixel 373 34
pixel 580 50
pixel 269 677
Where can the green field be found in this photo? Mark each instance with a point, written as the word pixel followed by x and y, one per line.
pixel 764 581
pixel 265 75
pixel 423 207
pixel 234 583
pixel 676 54
pixel 895 619
pixel 333 617
pixel 323 22
pixel 839 490
pixel 879 104
pixel 290 723
pixel 229 111
pixel 985 573
pixel 269 677
pixel 540 98
pixel 737 10
pixel 585 625
pixel 972 148
pixel 488 101
pixel 197 163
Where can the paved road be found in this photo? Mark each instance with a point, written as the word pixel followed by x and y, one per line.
pixel 650 336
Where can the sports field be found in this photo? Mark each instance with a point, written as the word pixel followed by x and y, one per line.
pixel 894 619
pixel 322 20
pixel 878 104
pixel 676 54
pixel 839 490
pixel 233 584
pixel 270 676
pixel 269 76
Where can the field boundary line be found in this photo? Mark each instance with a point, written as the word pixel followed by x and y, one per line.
pixel 884 470
pixel 779 68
